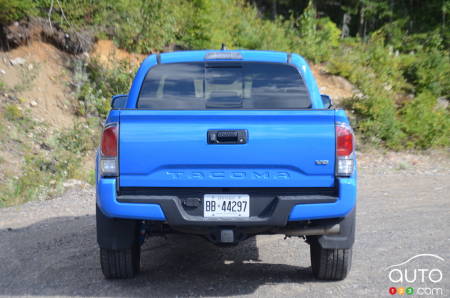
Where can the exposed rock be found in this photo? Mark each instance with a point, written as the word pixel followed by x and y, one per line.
pixel 442 103
pixel 33 103
pixel 343 83
pixel 17 61
pixel 73 182
pixel 45 146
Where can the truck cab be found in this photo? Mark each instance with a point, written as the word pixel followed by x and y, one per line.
pixel 226 145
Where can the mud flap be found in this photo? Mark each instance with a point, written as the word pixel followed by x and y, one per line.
pixel 115 233
pixel 346 236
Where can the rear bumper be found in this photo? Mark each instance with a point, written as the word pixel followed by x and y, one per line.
pixel 280 210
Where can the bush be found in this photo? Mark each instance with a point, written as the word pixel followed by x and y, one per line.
pixel 316 38
pixel 233 23
pixel 424 124
pixel 385 79
pixel 146 26
pixel 429 70
pixel 13 113
pixel 390 65
pixel 96 85
pixel 13 10
pixel 43 174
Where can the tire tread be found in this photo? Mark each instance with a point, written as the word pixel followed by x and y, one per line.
pixel 123 263
pixel 330 264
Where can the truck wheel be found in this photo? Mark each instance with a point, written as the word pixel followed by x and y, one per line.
pixel 330 264
pixel 120 263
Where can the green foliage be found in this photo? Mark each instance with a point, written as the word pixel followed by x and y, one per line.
pixel 388 65
pixel 233 23
pixel 315 38
pixel 12 10
pixel 97 84
pixel 13 113
pixel 198 34
pixel 383 77
pixel 43 174
pixel 424 124
pixel 429 70
pixel 144 26
pixel 399 50
pixel 79 140
pixel 3 86
pixel 398 59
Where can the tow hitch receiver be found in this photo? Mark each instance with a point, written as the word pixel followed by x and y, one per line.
pixel 226 236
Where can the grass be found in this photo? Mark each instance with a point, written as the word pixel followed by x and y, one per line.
pixel 3 86
pixel 44 171
pixel 27 77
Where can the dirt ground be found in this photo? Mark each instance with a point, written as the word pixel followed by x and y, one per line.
pixel 41 74
pixel 49 248
pixel 107 53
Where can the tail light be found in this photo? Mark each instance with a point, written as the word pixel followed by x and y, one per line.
pixel 109 151
pixel 345 156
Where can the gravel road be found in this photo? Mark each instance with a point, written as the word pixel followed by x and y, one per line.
pixel 48 248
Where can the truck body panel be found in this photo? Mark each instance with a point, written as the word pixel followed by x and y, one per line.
pixel 170 149
pixel 294 166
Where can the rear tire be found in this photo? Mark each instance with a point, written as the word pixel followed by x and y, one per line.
pixel 330 264
pixel 120 263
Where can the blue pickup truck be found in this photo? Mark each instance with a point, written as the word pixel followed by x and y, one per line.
pixel 226 145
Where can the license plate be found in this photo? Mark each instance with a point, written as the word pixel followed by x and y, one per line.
pixel 229 205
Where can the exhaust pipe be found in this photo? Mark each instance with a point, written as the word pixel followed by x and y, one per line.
pixel 330 230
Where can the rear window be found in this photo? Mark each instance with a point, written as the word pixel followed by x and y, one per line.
pixel 223 85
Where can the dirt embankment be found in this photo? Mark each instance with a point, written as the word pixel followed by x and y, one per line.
pixel 42 75
pixel 37 76
pixel 35 83
pixel 107 53
pixel 38 80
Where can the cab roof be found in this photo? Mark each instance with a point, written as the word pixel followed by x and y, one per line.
pixel 224 55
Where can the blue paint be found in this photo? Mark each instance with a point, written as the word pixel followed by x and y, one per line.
pixel 169 148
pixel 106 201
pixel 344 204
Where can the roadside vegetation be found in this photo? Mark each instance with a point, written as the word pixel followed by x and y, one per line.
pixel 47 162
pixel 395 53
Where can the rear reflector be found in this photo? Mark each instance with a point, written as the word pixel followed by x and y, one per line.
pixel 345 166
pixel 108 167
pixel 344 150
pixel 109 141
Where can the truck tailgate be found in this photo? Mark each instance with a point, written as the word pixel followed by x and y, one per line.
pixel 285 148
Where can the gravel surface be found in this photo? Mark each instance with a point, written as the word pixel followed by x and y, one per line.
pixel 48 248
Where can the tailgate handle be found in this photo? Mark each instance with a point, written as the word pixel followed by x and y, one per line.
pixel 227 136
pixel 238 136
